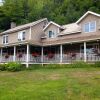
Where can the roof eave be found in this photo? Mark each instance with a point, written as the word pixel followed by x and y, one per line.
pixel 23 27
pixel 53 24
pixel 88 12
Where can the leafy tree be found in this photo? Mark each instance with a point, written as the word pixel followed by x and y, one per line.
pixel 60 11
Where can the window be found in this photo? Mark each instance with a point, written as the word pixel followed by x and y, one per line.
pixel 5 39
pixel 21 36
pixel 90 27
pixel 86 27
pixel 51 34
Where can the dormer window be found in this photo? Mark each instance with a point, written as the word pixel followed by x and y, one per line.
pixel 5 39
pixel 51 34
pixel 90 27
pixel 21 36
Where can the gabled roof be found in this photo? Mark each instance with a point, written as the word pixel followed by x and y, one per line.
pixel 51 22
pixel 88 12
pixel 24 26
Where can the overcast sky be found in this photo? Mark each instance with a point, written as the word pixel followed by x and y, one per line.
pixel 0 0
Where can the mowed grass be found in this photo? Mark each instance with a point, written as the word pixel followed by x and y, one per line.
pixel 51 84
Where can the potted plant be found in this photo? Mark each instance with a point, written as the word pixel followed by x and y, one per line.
pixel 50 55
pixel 6 56
pixel 35 54
pixel 20 55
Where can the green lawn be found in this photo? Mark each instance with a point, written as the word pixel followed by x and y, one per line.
pixel 51 84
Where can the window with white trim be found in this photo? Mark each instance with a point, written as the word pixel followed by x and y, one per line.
pixel 5 39
pixel 21 36
pixel 90 27
pixel 51 34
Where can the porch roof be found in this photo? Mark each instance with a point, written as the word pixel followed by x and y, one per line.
pixel 77 39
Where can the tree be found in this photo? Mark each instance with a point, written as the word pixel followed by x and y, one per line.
pixel 60 11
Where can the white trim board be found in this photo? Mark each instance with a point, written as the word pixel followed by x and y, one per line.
pixel 88 12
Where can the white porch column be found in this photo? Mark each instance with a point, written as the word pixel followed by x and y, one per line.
pixel 42 54
pixel 14 59
pixel 85 57
pixel 1 55
pixel 61 53
pixel 27 57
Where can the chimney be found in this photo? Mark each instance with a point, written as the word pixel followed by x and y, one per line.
pixel 13 25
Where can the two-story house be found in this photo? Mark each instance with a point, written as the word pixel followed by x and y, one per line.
pixel 48 42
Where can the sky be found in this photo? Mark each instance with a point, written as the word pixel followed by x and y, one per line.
pixel 0 0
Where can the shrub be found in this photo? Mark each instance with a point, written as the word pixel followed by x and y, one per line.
pixel 97 64
pixel 79 64
pixel 3 67
pixel 14 66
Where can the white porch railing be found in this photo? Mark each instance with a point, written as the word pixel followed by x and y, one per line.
pixel 72 57
pixel 54 59
pixel 34 59
pixel 21 58
pixel 6 59
pixel 66 58
pixel 93 57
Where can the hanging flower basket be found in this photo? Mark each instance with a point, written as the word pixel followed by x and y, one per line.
pixel 73 54
pixel 50 55
pixel 20 55
pixel 6 56
pixel 35 54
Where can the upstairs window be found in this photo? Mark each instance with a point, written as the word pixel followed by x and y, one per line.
pixel 51 34
pixel 5 39
pixel 21 36
pixel 90 27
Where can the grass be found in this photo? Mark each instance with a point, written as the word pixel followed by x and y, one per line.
pixel 51 84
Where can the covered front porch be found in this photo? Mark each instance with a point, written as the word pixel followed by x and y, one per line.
pixel 21 53
pixel 63 53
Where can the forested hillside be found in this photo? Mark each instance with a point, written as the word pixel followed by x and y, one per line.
pixel 60 11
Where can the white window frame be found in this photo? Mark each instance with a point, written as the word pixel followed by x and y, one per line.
pixel 4 39
pixel 20 36
pixel 89 27
pixel 53 36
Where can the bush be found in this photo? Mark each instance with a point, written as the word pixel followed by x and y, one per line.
pixel 80 64
pixel 97 64
pixel 3 67
pixel 14 66
pixel 48 66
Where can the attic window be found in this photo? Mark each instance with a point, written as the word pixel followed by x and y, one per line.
pixel 90 27
pixel 51 34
